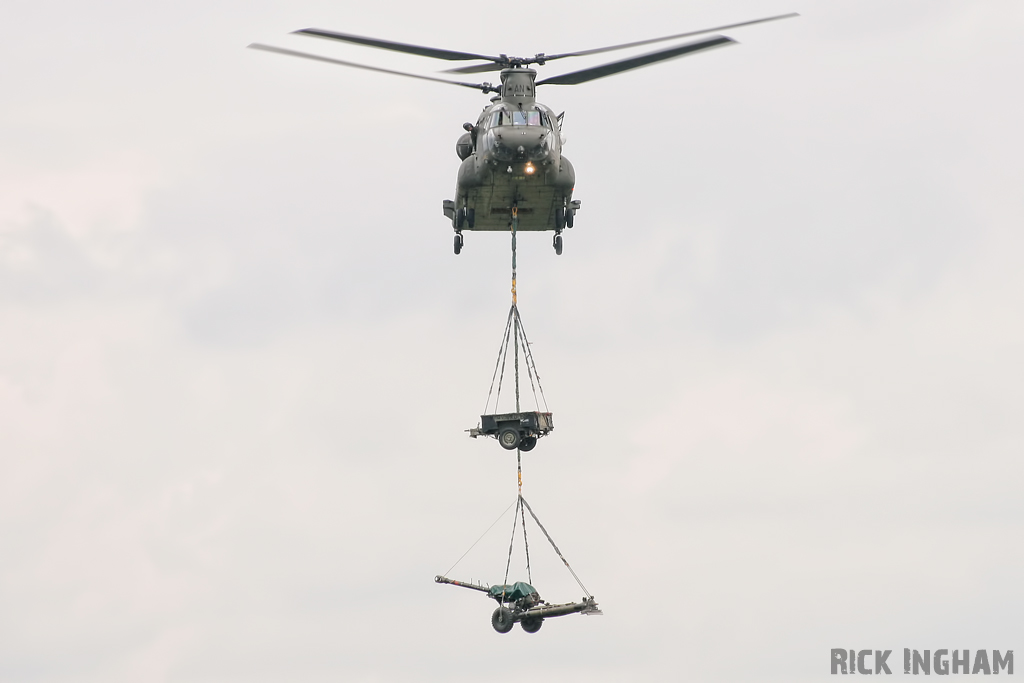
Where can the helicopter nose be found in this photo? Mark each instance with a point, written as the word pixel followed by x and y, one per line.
pixel 529 137
pixel 529 143
pixel 522 143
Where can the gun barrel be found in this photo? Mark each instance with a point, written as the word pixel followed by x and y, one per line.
pixel 463 584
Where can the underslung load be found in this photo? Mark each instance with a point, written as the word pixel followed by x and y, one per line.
pixel 520 601
pixel 515 429
pixel 519 431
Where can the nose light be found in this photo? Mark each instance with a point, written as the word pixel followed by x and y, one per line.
pixel 529 169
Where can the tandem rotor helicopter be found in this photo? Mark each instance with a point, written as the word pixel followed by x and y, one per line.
pixel 512 163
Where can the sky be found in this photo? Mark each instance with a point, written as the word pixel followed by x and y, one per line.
pixel 237 355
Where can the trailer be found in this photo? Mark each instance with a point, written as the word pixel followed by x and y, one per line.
pixel 515 430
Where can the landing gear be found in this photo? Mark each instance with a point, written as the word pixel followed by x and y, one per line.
pixel 458 243
pixel 557 244
pixel 465 217
pixel 560 219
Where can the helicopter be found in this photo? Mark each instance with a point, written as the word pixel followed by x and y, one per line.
pixel 513 173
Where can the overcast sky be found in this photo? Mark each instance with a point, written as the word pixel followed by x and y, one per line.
pixel 237 355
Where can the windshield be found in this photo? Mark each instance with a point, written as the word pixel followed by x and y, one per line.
pixel 516 117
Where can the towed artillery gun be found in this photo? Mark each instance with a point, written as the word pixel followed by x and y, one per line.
pixel 521 602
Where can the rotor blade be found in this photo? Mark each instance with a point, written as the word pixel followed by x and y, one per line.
pixel 603 70
pixel 391 45
pixel 476 69
pixel 486 87
pixel 623 46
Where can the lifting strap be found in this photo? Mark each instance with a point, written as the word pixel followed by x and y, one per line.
pixel 552 542
pixel 511 544
pixel 504 512
pixel 515 318
pixel 521 508
pixel 514 329
pixel 516 334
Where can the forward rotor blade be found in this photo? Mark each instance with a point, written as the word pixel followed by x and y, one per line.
pixel 475 69
pixel 638 43
pixel 486 87
pixel 603 70
pixel 391 45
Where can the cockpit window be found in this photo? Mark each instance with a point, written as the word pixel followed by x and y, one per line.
pixel 525 118
pixel 517 117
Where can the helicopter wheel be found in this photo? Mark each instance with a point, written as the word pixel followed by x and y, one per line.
pixel 559 218
pixel 558 244
pixel 460 218
pixel 471 218
pixel 458 243
pixel 569 216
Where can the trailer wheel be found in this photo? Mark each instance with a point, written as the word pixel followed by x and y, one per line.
pixel 501 620
pixel 528 443
pixel 509 438
pixel 532 625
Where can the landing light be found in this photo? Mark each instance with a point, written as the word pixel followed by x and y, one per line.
pixel 529 169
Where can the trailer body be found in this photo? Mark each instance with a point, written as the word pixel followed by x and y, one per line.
pixel 515 430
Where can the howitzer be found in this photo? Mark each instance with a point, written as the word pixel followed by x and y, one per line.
pixel 524 605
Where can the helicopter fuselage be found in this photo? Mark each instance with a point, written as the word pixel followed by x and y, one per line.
pixel 513 174
pixel 512 158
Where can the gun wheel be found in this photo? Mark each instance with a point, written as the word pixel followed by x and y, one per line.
pixel 532 625
pixel 501 620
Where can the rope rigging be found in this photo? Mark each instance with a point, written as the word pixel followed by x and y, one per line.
pixel 515 336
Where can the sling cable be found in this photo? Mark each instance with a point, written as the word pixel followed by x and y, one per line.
pixel 519 601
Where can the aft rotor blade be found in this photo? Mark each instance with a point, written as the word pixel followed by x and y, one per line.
pixel 638 43
pixel 486 87
pixel 603 70
pixel 392 45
